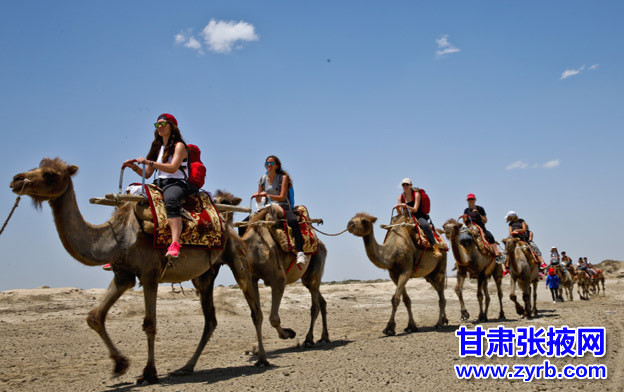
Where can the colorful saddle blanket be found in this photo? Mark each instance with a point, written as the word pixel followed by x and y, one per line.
pixel 286 239
pixel 421 241
pixel 529 252
pixel 479 238
pixel 205 230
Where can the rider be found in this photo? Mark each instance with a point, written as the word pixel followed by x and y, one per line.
pixel 590 267
pixel 565 259
pixel 518 228
pixel 476 214
pixel 168 155
pixel 275 185
pixel 410 200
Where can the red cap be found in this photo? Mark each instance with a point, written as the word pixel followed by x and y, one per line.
pixel 168 117
pixel 470 196
pixel 551 271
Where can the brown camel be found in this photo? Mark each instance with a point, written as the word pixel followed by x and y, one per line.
pixel 566 281
pixel 583 283
pixel 525 272
pixel 403 260
pixel 121 242
pixel 277 269
pixel 470 260
pixel 595 282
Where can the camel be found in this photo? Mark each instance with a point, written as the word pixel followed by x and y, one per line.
pixel 403 260
pixel 583 282
pixel 470 260
pixel 276 268
pixel 525 272
pixel 595 282
pixel 566 280
pixel 121 242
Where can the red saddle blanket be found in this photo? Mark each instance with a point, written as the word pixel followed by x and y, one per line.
pixel 479 237
pixel 421 239
pixel 310 240
pixel 205 230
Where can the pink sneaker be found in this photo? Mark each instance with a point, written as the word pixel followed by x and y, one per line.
pixel 505 272
pixel 107 267
pixel 173 250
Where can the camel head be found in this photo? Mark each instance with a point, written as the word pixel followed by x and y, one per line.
pixel 510 244
pixel 361 224
pixel 451 228
pixel 46 182
pixel 224 197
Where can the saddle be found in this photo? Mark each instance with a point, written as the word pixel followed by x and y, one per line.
pixel 282 233
pixel 479 239
pixel 202 225
pixel 528 252
pixel 420 239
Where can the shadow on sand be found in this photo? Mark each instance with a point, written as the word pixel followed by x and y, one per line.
pixel 210 376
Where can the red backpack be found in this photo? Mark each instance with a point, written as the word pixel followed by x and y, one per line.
pixel 197 170
pixel 425 203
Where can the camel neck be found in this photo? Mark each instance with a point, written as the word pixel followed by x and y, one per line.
pixel 458 252
pixel 374 251
pixel 89 244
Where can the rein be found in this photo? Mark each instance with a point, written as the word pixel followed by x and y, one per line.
pixel 19 197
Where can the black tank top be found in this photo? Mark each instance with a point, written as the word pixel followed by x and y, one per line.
pixel 517 225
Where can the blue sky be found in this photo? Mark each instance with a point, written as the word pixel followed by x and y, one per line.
pixel 523 108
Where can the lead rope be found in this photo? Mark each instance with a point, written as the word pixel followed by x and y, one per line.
pixel 329 235
pixel 19 197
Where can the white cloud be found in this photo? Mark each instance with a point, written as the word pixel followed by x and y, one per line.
pixel 179 38
pixel 594 67
pixel 221 36
pixel 571 72
pixel 551 164
pixel 445 47
pixel 517 165
pixel 193 43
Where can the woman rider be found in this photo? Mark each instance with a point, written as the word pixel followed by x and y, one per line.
pixel 168 155
pixel 518 228
pixel 476 214
pixel 275 185
pixel 410 201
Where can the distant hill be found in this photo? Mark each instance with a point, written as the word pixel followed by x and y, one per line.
pixel 612 268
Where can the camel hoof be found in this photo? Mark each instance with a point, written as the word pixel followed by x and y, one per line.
pixel 308 343
pixel 262 363
pixel 501 316
pixel 389 331
pixel 465 315
pixel 411 329
pixel 121 366
pixel 149 376
pixel 287 334
pixel 482 319
pixel 323 339
pixel 184 371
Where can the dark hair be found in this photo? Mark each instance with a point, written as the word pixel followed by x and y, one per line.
pixel 175 137
pixel 279 169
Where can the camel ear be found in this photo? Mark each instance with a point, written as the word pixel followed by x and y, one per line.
pixel 373 219
pixel 237 201
pixel 72 169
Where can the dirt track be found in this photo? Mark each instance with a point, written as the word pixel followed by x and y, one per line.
pixel 46 345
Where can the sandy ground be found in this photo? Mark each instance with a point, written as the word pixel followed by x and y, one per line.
pixel 46 345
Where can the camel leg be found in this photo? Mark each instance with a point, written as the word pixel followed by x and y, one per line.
pixel 312 280
pixel 236 260
pixel 459 290
pixel 150 292
pixel 535 298
pixel 437 281
pixel 513 298
pixel 481 293
pixel 97 319
pixel 400 282
pixel 205 287
pixel 278 284
pixel 411 324
pixel 498 280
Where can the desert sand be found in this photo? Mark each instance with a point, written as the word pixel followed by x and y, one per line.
pixel 46 345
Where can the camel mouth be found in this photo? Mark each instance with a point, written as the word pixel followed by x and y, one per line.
pixel 19 184
pixel 351 227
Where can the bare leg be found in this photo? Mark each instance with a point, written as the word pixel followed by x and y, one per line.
pixel 205 286
pixel 175 224
pixel 97 319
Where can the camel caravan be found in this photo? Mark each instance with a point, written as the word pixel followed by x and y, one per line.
pixel 171 231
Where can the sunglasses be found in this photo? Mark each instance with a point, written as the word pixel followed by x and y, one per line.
pixel 269 163
pixel 406 184
pixel 160 124
pixel 471 199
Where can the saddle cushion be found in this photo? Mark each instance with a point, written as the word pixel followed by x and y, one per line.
pixel 283 233
pixel 421 241
pixel 479 238
pixel 201 223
